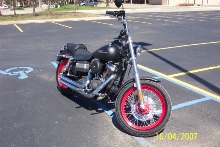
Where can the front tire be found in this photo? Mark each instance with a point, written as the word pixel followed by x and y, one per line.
pixel 61 87
pixel 152 119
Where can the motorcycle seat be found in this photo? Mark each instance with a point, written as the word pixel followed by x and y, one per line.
pixel 79 51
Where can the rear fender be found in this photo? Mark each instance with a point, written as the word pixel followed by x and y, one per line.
pixel 63 52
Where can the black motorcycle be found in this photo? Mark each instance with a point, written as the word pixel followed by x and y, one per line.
pixel 143 107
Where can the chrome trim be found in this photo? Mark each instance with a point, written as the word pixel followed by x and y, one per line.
pixel 133 58
pixel 137 50
pixel 95 92
pixel 110 66
pixel 89 95
pixel 82 65
pixel 77 90
pixel 78 85
pixel 64 56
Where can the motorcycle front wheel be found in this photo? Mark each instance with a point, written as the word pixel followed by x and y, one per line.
pixel 61 87
pixel 143 122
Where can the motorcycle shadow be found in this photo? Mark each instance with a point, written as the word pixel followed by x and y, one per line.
pixel 97 106
pixel 143 45
pixel 84 102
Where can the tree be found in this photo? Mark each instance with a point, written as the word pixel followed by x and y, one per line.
pixel 107 3
pixel 1 3
pixel 48 5
pixel 7 2
pixel 14 6
pixel 34 5
pixel 74 8
pixel 75 5
pixel 22 2
pixel 64 4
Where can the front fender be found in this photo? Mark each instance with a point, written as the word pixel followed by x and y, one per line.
pixel 141 78
pixel 133 80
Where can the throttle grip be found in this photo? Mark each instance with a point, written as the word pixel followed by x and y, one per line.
pixel 110 12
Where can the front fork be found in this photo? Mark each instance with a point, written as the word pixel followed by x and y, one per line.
pixel 136 74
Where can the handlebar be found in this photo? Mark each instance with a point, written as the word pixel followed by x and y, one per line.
pixel 110 12
pixel 122 33
pixel 116 13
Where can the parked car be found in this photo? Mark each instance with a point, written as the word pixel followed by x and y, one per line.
pixel 52 6
pixel 89 3
pixel 4 7
pixel 44 5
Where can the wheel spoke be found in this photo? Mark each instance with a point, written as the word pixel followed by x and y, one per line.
pixel 129 116
pixel 143 119
pixel 129 113
pixel 157 112
pixel 152 94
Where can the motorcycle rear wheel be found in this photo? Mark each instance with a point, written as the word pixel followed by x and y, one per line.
pixel 151 120
pixel 61 87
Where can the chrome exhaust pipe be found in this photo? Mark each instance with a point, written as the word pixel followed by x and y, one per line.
pixel 77 90
pixel 76 84
pixel 88 95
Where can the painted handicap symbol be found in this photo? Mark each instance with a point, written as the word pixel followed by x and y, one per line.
pixel 22 73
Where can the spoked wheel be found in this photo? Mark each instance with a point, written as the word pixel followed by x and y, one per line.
pixel 148 121
pixel 62 88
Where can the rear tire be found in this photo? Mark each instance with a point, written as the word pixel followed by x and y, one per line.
pixel 147 122
pixel 61 87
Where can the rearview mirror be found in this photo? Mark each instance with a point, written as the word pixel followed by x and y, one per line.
pixel 118 3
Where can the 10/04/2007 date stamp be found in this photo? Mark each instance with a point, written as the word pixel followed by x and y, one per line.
pixel 177 136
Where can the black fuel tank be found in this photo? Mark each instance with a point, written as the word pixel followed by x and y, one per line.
pixel 107 53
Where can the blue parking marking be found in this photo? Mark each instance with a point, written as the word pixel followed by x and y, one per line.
pixel 190 103
pixel 141 140
pixel 22 74
pixel 54 64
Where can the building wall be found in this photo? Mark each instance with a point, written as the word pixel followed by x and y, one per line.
pixel 197 2
pixel 164 2
pixel 155 2
pixel 177 2
pixel 211 2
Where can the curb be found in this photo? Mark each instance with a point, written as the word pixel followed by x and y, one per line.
pixel 55 20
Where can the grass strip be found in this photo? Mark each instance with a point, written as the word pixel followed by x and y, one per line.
pixel 55 13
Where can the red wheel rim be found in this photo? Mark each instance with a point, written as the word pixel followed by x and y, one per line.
pixel 138 119
pixel 60 68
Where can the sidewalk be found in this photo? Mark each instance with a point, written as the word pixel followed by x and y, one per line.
pixel 136 8
pixel 129 8
pixel 25 11
pixel 140 8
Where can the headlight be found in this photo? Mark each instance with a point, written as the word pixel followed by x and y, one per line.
pixel 137 50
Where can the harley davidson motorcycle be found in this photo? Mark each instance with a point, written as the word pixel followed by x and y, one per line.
pixel 143 106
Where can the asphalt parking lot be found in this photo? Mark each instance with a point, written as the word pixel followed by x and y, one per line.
pixel 180 48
